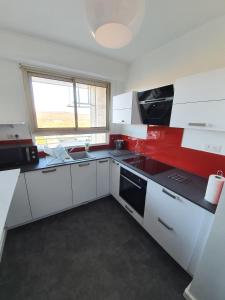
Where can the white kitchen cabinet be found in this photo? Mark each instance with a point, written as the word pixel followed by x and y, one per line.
pixel 123 101
pixel 208 86
pixel 122 116
pixel 199 115
pixel 114 179
pixel 102 177
pixel 204 233
pixel 173 222
pixel 84 181
pixel 19 211
pixel 125 109
pixel 49 190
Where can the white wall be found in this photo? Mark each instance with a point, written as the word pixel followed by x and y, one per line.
pixel 208 282
pixel 18 48
pixel 197 51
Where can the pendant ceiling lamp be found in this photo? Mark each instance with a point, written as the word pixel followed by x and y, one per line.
pixel 113 23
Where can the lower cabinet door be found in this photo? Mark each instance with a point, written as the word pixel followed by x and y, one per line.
pixel 49 190
pixel 102 177
pixel 19 211
pixel 84 181
pixel 114 179
pixel 173 222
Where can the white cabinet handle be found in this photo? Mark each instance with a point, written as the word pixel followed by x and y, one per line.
pixel 171 195
pixel 103 161
pixel 197 124
pixel 48 171
pixel 84 165
pixel 164 224
pixel 128 209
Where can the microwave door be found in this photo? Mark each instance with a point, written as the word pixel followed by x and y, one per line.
pixel 12 156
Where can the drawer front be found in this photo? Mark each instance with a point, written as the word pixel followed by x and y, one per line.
pixel 173 221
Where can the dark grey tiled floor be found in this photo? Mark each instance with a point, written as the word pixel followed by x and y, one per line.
pixel 94 252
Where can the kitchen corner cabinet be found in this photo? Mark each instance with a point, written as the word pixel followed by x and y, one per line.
pixel 49 190
pixel 102 177
pixel 173 222
pixel 19 211
pixel 125 109
pixel 114 179
pixel 84 181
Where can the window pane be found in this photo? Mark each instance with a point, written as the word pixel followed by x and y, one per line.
pixel 71 140
pixel 54 103
pixel 91 105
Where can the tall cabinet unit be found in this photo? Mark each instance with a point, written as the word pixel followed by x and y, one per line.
pixel 19 211
pixel 49 190
pixel 125 109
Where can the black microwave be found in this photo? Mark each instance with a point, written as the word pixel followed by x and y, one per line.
pixel 11 155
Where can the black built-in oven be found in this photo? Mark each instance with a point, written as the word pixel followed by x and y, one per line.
pixel 133 190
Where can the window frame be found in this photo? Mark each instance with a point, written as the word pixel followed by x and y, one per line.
pixel 28 73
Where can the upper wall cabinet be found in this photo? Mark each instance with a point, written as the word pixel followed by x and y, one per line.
pixel 207 86
pixel 207 115
pixel 125 109
pixel 199 102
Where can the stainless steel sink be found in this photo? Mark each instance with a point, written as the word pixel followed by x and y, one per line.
pixel 81 155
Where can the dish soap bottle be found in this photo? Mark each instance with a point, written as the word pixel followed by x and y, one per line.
pixel 86 146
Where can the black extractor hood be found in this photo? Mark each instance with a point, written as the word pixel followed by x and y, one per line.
pixel 156 105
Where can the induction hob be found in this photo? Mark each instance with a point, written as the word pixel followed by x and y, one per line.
pixel 147 164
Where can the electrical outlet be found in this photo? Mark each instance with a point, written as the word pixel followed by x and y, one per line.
pixel 213 148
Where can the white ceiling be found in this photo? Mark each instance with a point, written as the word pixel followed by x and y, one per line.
pixel 65 22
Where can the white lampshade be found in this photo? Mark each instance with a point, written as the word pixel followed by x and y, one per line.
pixel 113 23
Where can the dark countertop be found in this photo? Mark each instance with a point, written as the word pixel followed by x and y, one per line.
pixel 193 189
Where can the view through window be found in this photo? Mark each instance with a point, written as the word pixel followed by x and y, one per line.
pixel 60 104
pixel 56 107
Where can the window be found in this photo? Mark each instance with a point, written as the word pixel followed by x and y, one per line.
pixel 63 108
pixel 71 140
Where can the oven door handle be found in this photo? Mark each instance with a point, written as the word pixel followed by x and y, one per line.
pixel 138 186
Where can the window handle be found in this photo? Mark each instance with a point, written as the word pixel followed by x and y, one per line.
pixel 103 161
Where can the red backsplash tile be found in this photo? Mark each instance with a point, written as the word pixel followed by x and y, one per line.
pixel 164 144
pixel 16 142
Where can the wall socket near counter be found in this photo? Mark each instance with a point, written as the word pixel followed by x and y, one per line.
pixel 10 132
pixel 204 140
pixel 213 148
